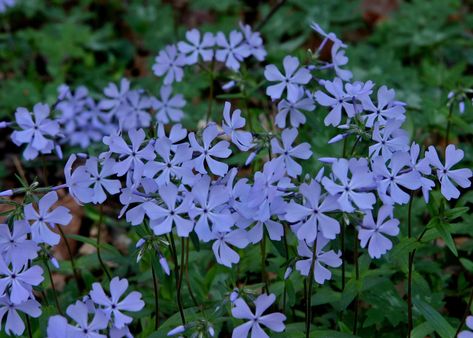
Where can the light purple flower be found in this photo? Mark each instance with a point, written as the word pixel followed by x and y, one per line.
pixel 337 101
pixel 389 139
pixel 115 96
pixel 339 59
pixel 207 152
pixel 288 152
pixel 170 62
pixel 79 312
pixel 44 220
pixel 131 157
pixel 14 323
pixel 293 109
pixel 134 113
pixel 4 4
pixel 254 42
pixel 373 233
pixel 273 321
pixel 446 175
pixel 328 258
pixel 385 109
pixel 171 213
pixel 101 180
pixel 293 78
pixel 390 180
pixel 58 327
pixel 168 108
pixel 350 191
pixel 242 139
pixel 35 131
pixel 224 254
pixel 196 46
pixel 311 214
pixel 172 164
pixel 275 231
pixel 422 166
pixel 209 209
pixel 15 245
pixel 78 182
pixel 232 51
pixel 19 280
pixel 113 306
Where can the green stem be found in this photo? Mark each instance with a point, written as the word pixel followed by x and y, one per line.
pixel 286 249
pixel 177 276
pixel 263 263
pixel 194 300
pixel 99 256
pixel 156 297
pixel 410 268
pixel 78 279
pixel 357 276
pixel 465 314
pixel 56 300
pixel 211 95
pixel 28 325
pixel 449 124
pixel 310 282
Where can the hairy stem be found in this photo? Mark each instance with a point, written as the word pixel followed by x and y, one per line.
pixel 449 124
pixel 409 273
pixel 211 94
pixel 263 263
pixel 177 276
pixel 357 276
pixel 99 256
pixel 188 282
pixel 28 325
pixel 465 314
pixel 156 297
pixel 270 14
pixel 310 282
pixel 80 284
pixel 56 300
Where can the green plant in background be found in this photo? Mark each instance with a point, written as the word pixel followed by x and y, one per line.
pixel 422 49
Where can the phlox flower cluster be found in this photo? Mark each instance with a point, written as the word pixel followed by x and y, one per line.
pixel 178 181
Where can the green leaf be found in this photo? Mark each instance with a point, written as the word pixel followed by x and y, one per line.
pixel 93 242
pixel 456 212
pixel 435 319
pixel 422 330
pixel 445 231
pixel 467 264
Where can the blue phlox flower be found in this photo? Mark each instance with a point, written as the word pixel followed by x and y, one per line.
pixel 114 305
pixel 232 51
pixel 207 152
pixel 293 107
pixel 43 219
pixel 311 214
pixel 15 245
pixel 197 45
pixel 231 123
pixel 448 176
pixel 14 324
pixel 37 133
pixel 292 80
pixel 168 107
pixel 169 63
pixel 224 254
pixel 373 234
pixel 273 321
pixel 288 153
pixel 328 258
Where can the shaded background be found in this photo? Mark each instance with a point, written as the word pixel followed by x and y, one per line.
pixel 423 49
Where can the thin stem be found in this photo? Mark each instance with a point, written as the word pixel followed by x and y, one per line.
pixel 286 248
pixel 270 14
pixel 211 95
pixel 263 262
pixel 28 325
pixel 56 300
pixel 409 273
pixel 310 282
pixel 177 274
pixel 78 279
pixel 449 123
pixel 156 296
pixel 357 276
pixel 467 310
pixel 194 300
pixel 342 247
pixel 99 256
